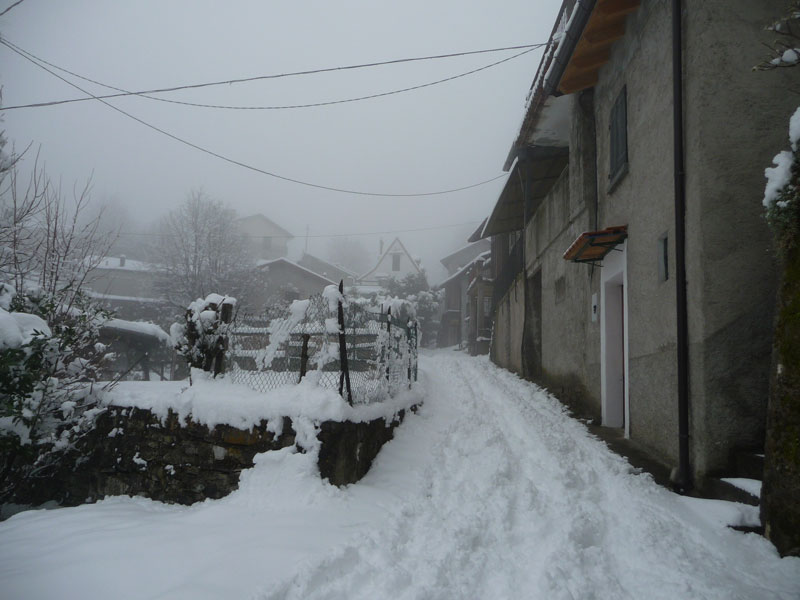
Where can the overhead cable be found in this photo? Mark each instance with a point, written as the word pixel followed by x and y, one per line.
pixel 245 165
pixel 10 7
pixel 322 235
pixel 146 93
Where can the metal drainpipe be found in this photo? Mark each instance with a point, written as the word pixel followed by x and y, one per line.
pixel 682 480
pixel 522 162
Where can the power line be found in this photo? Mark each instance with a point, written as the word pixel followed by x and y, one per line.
pixel 320 235
pixel 245 165
pixel 18 2
pixel 146 93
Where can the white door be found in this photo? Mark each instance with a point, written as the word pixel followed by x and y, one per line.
pixel 614 340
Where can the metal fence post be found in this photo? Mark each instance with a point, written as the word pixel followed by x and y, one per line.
pixel 344 377
pixel 416 350
pixel 410 350
pixel 389 344
pixel 304 357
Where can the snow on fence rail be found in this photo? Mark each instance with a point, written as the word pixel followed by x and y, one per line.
pixel 365 353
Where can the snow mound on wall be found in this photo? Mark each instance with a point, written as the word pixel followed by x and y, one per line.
pixel 219 402
pixel 142 327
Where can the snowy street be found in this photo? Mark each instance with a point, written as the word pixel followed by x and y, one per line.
pixel 490 491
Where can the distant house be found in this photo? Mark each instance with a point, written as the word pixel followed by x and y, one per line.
pixel 281 280
pixel 267 239
pixel 454 328
pixel 633 267
pixel 129 288
pixel 464 255
pixel 395 263
pixel 321 267
pixel 459 327
pixel 479 305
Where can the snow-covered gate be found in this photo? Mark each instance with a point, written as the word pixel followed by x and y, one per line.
pixel 364 352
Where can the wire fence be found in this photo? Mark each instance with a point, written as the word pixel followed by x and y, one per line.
pixel 360 351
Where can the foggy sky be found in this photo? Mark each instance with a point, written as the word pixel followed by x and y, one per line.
pixel 441 137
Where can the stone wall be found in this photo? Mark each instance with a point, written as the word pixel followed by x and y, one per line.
pixel 132 452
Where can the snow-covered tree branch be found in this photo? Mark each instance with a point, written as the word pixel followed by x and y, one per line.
pixel 785 50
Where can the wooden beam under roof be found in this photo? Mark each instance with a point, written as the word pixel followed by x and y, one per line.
pixel 606 25
pixel 616 7
pixel 578 82
pixel 603 34
pixel 593 60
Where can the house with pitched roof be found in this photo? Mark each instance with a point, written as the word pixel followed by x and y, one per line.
pixel 282 280
pixel 326 269
pixel 395 262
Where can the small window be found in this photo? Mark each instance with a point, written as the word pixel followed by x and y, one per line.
pixel 561 289
pixel 487 306
pixel 663 258
pixel 618 136
pixel 266 243
pixel 395 262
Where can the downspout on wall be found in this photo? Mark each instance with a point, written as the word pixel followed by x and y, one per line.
pixel 681 477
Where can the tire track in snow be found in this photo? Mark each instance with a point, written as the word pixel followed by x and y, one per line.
pixel 517 500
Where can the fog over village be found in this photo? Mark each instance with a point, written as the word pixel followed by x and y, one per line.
pixel 436 138
pixel 422 300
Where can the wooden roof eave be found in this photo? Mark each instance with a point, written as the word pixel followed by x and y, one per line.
pixel 605 26
pixel 508 212
pixel 539 167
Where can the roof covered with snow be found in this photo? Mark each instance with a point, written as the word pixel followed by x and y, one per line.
pixel 466 268
pixel 465 254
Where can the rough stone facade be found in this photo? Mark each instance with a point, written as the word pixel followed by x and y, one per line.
pixel 730 265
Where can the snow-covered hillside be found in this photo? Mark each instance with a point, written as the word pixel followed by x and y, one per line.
pixel 491 491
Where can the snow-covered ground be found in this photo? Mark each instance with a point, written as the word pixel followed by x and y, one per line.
pixel 491 491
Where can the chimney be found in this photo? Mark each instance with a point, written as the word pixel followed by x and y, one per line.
pixel 122 260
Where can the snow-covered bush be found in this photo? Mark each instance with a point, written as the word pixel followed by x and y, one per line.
pixel 49 353
pixel 780 514
pixel 782 193
pixel 203 338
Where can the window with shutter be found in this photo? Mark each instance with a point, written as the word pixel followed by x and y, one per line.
pixel 618 136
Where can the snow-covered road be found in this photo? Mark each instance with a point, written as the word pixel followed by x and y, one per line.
pixel 490 491
pixel 513 499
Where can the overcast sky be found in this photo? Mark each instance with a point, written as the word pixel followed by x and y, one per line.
pixel 440 137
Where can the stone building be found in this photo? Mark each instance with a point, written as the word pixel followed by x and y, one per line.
pixel 634 274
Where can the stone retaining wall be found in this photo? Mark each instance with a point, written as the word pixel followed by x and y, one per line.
pixel 132 452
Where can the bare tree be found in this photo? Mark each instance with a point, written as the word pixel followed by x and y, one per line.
pixel 45 240
pixel 47 249
pixel 200 250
